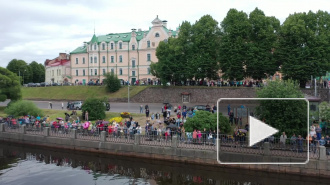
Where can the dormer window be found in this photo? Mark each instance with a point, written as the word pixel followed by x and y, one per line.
pixel 103 46
pixel 94 46
pixel 133 47
pixel 157 35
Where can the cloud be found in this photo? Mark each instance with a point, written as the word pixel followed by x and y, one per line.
pixel 36 30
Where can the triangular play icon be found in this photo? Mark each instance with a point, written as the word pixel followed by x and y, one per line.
pixel 259 131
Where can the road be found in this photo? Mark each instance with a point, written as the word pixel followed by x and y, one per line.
pixel 123 107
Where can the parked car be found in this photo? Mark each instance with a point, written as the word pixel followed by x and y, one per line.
pixel 107 106
pixel 31 85
pixel 200 107
pixel 90 83
pixel 38 85
pixel 44 84
pixel 54 84
pixel 67 84
pixel 76 105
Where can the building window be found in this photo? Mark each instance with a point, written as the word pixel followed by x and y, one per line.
pixel 148 57
pixel 52 72
pixel 84 72
pixel 120 58
pixel 157 35
pixel 95 72
pixel 120 71
pixel 90 47
pixel 103 71
pixel 112 59
pixel 148 70
pixel 133 63
pixel 103 46
pixel 91 59
pixel 76 60
pixel 133 73
pixel 94 46
pixel 112 71
pixel 148 44
pixel 120 45
pixel 59 71
pixel 91 72
pixel 76 72
pixel 133 47
pixel 83 60
pixel 111 45
pixel 95 60
pixel 103 59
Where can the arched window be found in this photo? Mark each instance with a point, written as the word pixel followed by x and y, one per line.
pixel 103 46
pixel 157 35
pixel 120 45
pixel 94 46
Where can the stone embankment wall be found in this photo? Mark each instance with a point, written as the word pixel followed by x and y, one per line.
pixel 202 95
pixel 317 167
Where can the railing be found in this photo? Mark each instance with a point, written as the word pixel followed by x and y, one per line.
pixel 203 141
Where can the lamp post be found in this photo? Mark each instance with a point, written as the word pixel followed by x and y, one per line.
pixel 23 75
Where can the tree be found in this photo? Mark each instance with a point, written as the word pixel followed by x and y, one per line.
pixel 288 116
pixel 9 85
pixel 205 38
pixel 324 110
pixel 207 120
pixel 235 29
pixel 95 108
pixel 38 72
pixel 19 67
pixel 23 108
pixel 304 46
pixel 112 82
pixel 262 40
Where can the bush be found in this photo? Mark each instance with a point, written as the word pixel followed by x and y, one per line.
pixel 116 119
pixel 112 82
pixel 95 108
pixel 23 108
pixel 204 119
pixel 125 114
pixel 289 116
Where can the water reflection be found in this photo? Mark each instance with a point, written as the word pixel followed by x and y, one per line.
pixel 51 166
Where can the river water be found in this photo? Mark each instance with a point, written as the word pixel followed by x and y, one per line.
pixel 22 165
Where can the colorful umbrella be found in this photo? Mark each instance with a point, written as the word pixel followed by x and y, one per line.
pixel 59 118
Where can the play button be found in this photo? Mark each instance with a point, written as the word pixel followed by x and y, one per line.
pixel 259 131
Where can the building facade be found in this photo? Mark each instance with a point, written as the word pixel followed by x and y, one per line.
pixel 58 69
pixel 128 55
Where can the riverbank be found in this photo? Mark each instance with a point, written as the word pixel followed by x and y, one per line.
pixel 171 151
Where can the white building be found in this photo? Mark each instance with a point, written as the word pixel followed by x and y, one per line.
pixel 58 69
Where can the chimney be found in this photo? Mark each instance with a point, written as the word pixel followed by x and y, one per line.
pixel 139 29
pixel 165 23
pixel 133 32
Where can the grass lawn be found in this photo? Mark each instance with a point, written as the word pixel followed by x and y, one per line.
pixel 76 92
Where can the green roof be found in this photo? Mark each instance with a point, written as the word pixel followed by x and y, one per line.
pixel 115 37
pixel 81 49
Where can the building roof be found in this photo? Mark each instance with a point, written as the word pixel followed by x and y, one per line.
pixel 115 37
pixel 81 49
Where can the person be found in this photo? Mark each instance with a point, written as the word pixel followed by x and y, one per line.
pixel 195 136
pixel 147 113
pixel 62 105
pixel 293 142
pixel 141 109
pixel 146 107
pixel 231 117
pixel 300 142
pixel 283 140
pixel 228 108
pixel 86 116
pixel 50 105
pixel 318 131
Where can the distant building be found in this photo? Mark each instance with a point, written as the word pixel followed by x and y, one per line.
pixel 128 55
pixel 58 69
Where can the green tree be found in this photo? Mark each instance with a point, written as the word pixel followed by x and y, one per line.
pixel 38 72
pixel 112 82
pixel 304 46
pixel 285 115
pixel 207 120
pixel 23 108
pixel 9 85
pixel 262 40
pixel 324 110
pixel 235 29
pixel 95 108
pixel 20 68
pixel 205 38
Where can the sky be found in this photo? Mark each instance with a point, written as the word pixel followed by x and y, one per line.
pixel 36 30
